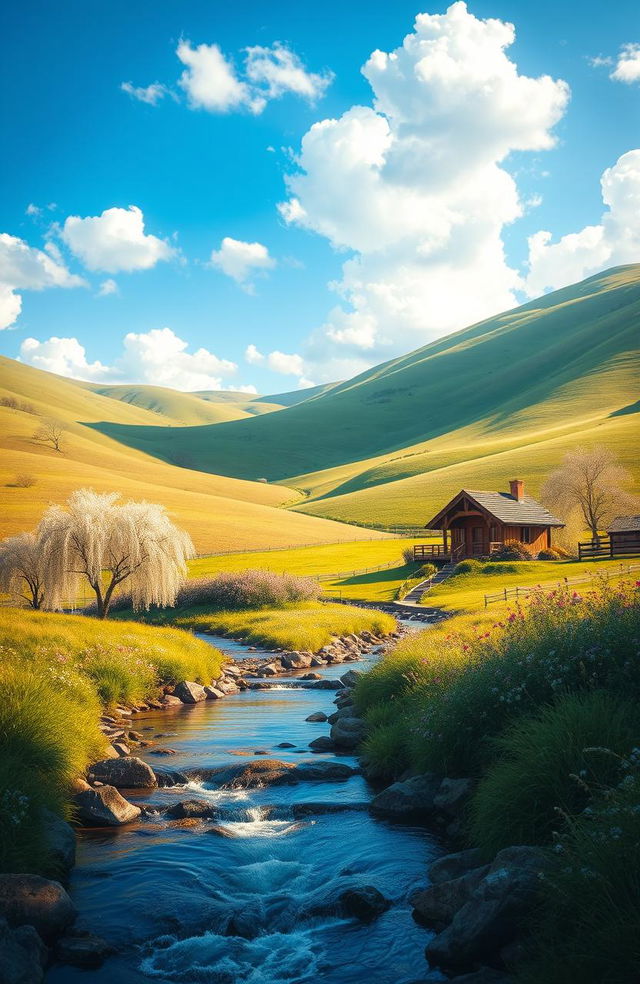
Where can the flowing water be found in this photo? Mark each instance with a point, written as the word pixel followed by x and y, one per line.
pixel 164 895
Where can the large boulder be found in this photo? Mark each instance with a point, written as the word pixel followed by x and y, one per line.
pixel 364 902
pixel 491 918
pixel 214 693
pixel 296 661
pixel 124 773
pixel 189 692
pixel 351 677
pixel 104 807
pixel 348 732
pixel 322 744
pixel 23 955
pixel 436 905
pixel 453 796
pixel 29 900
pixel 409 800
pixel 324 770
pixel 60 839
pixel 317 716
pixel 454 865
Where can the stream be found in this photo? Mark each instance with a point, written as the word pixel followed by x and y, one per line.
pixel 162 895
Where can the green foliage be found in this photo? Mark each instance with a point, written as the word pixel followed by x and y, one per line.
pixel 467 567
pixel 588 926
pixel 562 643
pixel 544 768
pixel 48 734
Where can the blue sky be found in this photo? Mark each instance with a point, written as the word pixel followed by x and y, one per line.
pixel 197 173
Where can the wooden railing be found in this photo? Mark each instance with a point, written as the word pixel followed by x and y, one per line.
pixel 606 547
pixel 566 582
pixel 426 551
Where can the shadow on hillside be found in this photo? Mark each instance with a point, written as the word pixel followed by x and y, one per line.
pixel 630 408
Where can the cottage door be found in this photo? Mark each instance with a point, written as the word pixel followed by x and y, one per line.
pixel 477 540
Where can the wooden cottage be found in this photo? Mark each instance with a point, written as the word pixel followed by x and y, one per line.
pixel 476 524
pixel 624 536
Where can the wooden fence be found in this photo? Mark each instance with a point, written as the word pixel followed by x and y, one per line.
pixel 608 547
pixel 566 582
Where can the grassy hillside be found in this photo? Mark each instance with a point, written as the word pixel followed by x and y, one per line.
pixel 180 408
pixel 220 513
pixel 509 394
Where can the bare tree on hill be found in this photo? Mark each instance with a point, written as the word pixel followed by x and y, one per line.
pixel 22 572
pixel 96 538
pixel 50 433
pixel 588 489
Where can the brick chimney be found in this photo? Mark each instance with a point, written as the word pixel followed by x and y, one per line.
pixel 517 488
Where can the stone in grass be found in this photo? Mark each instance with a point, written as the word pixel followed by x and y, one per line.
pixel 104 807
pixel 23 955
pixel 83 950
pixel 124 773
pixel 29 900
pixel 189 693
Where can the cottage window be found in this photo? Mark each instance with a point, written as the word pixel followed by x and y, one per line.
pixel 525 534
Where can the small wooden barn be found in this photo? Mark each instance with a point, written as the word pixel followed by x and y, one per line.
pixel 624 536
pixel 476 524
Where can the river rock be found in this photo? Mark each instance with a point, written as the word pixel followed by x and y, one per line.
pixel 317 661
pixel 296 661
pixel 408 800
pixel 213 693
pixel 365 903
pixel 454 865
pixel 486 975
pixel 351 677
pixel 322 744
pixel 317 716
pixel 124 773
pixel 23 955
pixel 490 920
pixel 83 950
pixel 60 840
pixel 170 777
pixel 121 748
pixel 436 905
pixel 453 796
pixel 348 732
pixel 29 900
pixel 104 807
pixel 189 692
pixel 170 701
pixel 322 771
pixel 192 809
pixel 270 669
pixel 326 685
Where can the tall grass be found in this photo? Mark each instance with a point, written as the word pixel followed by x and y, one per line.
pixel 57 672
pixel 305 626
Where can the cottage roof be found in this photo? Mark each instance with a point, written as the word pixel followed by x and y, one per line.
pixel 625 524
pixel 506 509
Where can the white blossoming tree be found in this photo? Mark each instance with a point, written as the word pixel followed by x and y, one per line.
pixel 108 543
pixel 22 570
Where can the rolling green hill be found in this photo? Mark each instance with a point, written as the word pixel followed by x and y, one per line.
pixel 511 393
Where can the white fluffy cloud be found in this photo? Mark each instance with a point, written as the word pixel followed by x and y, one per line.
pixel 241 260
pixel 277 70
pixel 284 363
pixel 158 356
pixel 211 81
pixel 23 267
pixel 614 241
pixel 150 94
pixel 108 286
pixel 628 64
pixel 414 188
pixel 114 241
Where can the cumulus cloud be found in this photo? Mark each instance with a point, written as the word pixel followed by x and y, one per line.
pixel 284 363
pixel 628 64
pixel 211 80
pixel 613 241
pixel 150 94
pixel 241 260
pixel 413 187
pixel 114 241
pixel 158 356
pixel 276 70
pixel 253 356
pixel 108 286
pixel 23 267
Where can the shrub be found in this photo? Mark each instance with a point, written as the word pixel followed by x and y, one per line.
pixel 588 926
pixel 562 643
pixel 235 590
pixel 467 567
pixel 407 555
pixel 549 554
pixel 513 550
pixel 427 570
pixel 544 766
pixel 24 481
